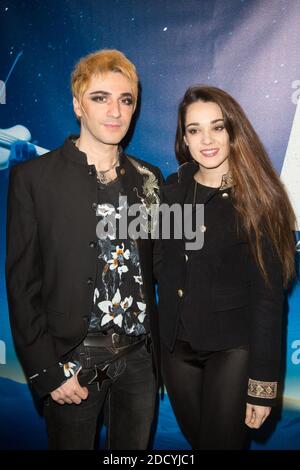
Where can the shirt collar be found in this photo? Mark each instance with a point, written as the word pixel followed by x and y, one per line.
pixel 73 153
pixel 187 170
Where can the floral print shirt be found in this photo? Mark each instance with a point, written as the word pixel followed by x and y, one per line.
pixel 119 300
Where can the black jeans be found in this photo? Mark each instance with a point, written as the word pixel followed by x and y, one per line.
pixel 128 398
pixel 208 393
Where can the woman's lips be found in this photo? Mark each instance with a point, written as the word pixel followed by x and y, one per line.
pixel 209 152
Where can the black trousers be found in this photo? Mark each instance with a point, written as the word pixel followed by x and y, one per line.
pixel 128 399
pixel 208 392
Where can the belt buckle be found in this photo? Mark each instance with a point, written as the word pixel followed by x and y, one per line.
pixel 114 339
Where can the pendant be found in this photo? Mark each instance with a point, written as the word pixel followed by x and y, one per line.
pixel 101 177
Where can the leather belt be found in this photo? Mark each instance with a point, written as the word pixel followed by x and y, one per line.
pixel 111 339
pixel 99 373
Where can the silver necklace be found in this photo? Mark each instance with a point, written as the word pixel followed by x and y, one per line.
pixel 227 182
pixel 101 173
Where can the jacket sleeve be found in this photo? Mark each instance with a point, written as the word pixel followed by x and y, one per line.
pixel 24 278
pixel 265 328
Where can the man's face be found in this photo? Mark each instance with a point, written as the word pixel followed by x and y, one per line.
pixel 106 108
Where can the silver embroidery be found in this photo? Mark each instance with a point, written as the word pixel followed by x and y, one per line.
pixel 227 181
pixel 150 199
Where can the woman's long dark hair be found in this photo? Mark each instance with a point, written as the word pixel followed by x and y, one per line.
pixel 259 196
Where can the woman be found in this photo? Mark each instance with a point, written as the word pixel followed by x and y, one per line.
pixel 221 305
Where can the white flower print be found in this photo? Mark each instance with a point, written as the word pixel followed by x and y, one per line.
pixel 70 369
pixel 142 307
pixel 115 309
pixel 119 287
pixel 96 295
pixel 104 210
pixel 122 269
pixel 127 302
pixel 118 320
pixel 118 257
pixel 139 280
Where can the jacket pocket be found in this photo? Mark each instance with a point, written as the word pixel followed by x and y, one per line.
pixel 231 298
pixel 58 324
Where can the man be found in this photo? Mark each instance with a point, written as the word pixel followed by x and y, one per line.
pixel 82 306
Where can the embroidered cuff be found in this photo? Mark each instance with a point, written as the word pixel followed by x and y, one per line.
pixel 260 389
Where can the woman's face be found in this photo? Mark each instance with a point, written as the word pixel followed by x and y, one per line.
pixel 206 136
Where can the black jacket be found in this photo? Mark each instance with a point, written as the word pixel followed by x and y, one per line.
pixel 51 262
pixel 220 291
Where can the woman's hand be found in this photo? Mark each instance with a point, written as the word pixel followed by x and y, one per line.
pixel 256 415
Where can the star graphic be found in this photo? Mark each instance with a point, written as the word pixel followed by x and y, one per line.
pixel 100 376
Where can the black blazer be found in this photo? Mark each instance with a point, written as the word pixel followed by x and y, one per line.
pixel 51 262
pixel 219 290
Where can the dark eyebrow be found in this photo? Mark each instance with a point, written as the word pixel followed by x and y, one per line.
pixel 106 93
pixel 100 91
pixel 197 123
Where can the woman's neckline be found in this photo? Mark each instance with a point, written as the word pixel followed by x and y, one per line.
pixel 205 185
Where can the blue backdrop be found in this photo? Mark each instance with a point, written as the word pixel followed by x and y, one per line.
pixel 248 47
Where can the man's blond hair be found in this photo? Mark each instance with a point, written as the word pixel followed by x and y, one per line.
pixel 102 62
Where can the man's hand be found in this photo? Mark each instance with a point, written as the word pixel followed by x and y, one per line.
pixel 70 392
pixel 256 415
